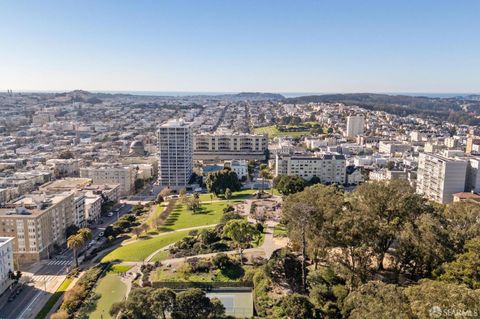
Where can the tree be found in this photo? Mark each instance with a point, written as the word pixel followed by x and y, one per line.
pixel 162 301
pixel 241 232
pixel 85 233
pixel 144 227
pixel 165 192
pixel 228 194
pixel 139 305
pixel 388 206
pixel 377 300
pixel 218 182
pixel 74 243
pixel 308 217
pixel 284 268
pixel 296 306
pixel 250 169
pixel 61 314
pixel 465 269
pixel 462 223
pixel 264 174
pixel 183 195
pixel 193 203
pixel 429 298
pixel 159 199
pixel 423 246
pixel 194 304
pixel 218 309
pixel 287 184
pixel 137 231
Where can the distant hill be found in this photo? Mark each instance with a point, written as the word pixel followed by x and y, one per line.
pixel 451 109
pixel 78 96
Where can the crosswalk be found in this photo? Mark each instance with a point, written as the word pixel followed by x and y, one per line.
pixel 59 263
pixel 44 278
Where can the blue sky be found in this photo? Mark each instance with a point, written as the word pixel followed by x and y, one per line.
pixel 247 45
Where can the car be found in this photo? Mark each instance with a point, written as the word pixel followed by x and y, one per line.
pixel 110 214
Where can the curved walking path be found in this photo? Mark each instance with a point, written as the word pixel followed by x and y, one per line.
pixel 268 246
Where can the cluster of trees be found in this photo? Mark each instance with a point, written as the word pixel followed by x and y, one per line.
pixel 123 225
pixel 291 184
pixel 77 241
pixel 192 202
pixel 218 182
pixel 232 232
pixel 150 303
pixel 80 293
pixel 375 241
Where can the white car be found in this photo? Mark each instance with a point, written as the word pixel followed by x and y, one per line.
pixel 110 214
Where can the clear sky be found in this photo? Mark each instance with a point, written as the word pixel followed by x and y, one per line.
pixel 241 45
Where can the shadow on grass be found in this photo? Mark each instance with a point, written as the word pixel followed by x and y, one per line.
pixel 233 272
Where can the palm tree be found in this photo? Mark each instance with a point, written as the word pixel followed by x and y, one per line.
pixel 264 173
pixel 85 233
pixel 75 242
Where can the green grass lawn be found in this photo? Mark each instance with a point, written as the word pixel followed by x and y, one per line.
pixel 182 217
pixel 111 289
pixel 119 268
pixel 54 298
pixel 272 132
pixel 141 249
pixel 279 231
pixel 160 256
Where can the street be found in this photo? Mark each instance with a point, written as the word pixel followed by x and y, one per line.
pixel 46 275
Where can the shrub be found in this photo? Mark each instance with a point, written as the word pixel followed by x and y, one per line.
pixel 199 265
pixel 221 261
pixel 230 216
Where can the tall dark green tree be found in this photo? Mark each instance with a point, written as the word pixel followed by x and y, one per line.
pixel 218 182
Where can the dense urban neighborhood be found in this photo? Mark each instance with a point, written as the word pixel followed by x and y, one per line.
pixel 247 205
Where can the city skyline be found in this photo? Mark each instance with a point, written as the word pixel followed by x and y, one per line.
pixel 217 46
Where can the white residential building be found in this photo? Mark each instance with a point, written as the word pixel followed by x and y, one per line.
pixel 229 146
pixel 122 175
pixel 330 168
pixel 6 262
pixel 440 177
pixel 355 126
pixel 392 147
pixel 240 167
pixel 175 144
pixel 93 206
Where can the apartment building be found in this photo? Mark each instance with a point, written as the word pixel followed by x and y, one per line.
pixel 175 146
pixel 440 177
pixel 6 262
pixel 392 147
pixel 223 146
pixel 112 174
pixel 355 126
pixel 330 168
pixel 37 222
pixel 65 167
